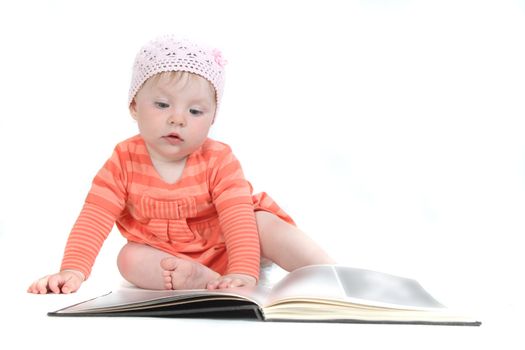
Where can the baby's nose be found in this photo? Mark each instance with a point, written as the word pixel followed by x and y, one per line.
pixel 177 119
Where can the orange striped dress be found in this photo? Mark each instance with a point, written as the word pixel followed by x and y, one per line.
pixel 206 216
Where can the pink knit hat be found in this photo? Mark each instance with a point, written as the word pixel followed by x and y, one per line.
pixel 168 53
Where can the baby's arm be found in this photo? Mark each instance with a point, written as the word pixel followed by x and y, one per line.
pixel 67 281
pixel 85 240
pixel 93 225
pixel 232 197
pixel 242 244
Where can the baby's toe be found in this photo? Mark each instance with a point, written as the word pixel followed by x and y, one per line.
pixel 169 264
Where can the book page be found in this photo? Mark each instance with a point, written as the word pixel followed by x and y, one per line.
pixel 352 285
pixel 317 281
pixel 134 298
pixel 129 297
pixel 383 288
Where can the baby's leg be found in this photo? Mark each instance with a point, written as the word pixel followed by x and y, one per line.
pixel 150 268
pixel 286 245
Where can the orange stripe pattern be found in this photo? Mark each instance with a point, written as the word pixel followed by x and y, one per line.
pixel 206 216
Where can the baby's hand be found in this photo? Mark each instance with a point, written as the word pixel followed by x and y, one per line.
pixel 67 281
pixel 232 280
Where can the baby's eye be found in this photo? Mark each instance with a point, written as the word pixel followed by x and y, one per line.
pixel 195 111
pixel 162 105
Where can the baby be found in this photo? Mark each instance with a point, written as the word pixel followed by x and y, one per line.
pixel 178 197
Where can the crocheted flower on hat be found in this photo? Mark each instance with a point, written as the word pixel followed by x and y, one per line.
pixel 218 58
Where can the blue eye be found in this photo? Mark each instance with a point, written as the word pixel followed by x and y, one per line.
pixel 162 105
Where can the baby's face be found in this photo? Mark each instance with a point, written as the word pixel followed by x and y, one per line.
pixel 174 114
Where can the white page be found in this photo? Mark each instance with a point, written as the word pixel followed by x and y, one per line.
pixel 353 285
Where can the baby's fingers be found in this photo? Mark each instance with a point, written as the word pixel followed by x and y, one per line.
pixel 71 285
pixel 212 285
pixel 40 286
pixel 31 288
pixel 54 283
pixel 219 283
pixel 225 283
pixel 237 283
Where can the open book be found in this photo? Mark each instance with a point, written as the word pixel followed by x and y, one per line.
pixel 318 293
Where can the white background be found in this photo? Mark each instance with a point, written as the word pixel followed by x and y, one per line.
pixel 391 131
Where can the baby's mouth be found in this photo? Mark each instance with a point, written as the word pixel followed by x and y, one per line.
pixel 173 138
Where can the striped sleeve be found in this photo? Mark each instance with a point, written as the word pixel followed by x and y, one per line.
pixel 231 194
pixel 104 203
pixel 86 238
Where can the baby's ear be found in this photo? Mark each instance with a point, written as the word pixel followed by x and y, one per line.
pixel 133 109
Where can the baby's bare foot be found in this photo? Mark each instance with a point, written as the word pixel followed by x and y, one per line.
pixel 184 274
